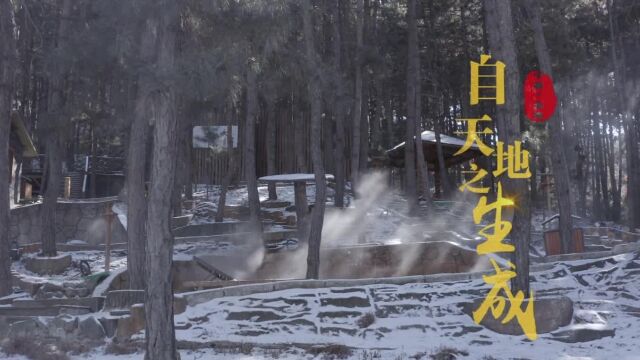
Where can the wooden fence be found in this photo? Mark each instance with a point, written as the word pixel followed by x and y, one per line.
pixel 209 167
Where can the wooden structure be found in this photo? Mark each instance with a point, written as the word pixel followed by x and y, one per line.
pixel 20 147
pixel 292 153
pixel 553 244
pixel 450 145
pixel 300 190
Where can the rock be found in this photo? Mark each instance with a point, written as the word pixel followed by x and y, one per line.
pixel 27 328
pixel 236 212
pixel 179 305
pixel 74 310
pixel 91 328
pixel 582 335
pixel 48 265
pixel 48 291
pixel 76 289
pixel 129 325
pixel 4 327
pixel 276 216
pixel 626 248
pixel 275 204
pixel 109 324
pixel 550 314
pixel 78 292
pixel 180 221
pixel 29 285
pixel 61 326
pixel 182 325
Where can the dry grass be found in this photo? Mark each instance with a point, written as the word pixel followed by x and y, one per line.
pixel 366 320
pixel 369 355
pixel 33 349
pixel 36 348
pixel 447 353
pixel 330 352
pixel 125 347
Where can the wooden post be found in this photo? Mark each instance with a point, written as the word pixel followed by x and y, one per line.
pixel 107 246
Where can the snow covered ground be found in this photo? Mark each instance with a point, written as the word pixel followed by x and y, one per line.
pixel 415 321
pixel 417 318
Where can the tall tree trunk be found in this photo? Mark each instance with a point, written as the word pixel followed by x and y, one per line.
pixel 136 179
pixel 616 206
pixel 315 96
pixel 377 119
pixel 54 141
pixel 7 63
pixel 357 102
pixel 388 122
pixel 299 141
pixel 250 149
pixel 366 92
pixel 231 172
pixel 339 105
pixel 499 24
pixel 601 169
pixel 421 162
pixel 442 167
pixel 558 158
pixel 409 149
pixel 439 100
pixel 271 148
pixel 183 160
pixel 160 332
pixel 630 129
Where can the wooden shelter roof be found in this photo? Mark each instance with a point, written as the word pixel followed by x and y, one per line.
pixel 19 130
pixel 450 145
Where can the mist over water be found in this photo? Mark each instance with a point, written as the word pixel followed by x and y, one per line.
pixel 352 238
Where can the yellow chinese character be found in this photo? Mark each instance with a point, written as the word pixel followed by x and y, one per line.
pixel 517 161
pixel 496 303
pixel 476 76
pixel 472 136
pixel 480 174
pixel 501 228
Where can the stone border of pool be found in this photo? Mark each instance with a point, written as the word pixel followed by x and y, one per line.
pixel 202 296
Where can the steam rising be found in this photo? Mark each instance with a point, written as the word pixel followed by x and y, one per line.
pixel 372 238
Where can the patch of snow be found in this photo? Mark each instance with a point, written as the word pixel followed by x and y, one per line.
pixel 293 177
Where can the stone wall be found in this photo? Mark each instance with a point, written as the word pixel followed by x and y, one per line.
pixel 75 220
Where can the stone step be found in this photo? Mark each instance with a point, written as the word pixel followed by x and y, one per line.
pixel 212 269
pixel 73 310
pixel 123 299
pixel 274 236
pixel 120 312
pixel 275 204
pixel 29 311
pixel 10 319
pixel 93 303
